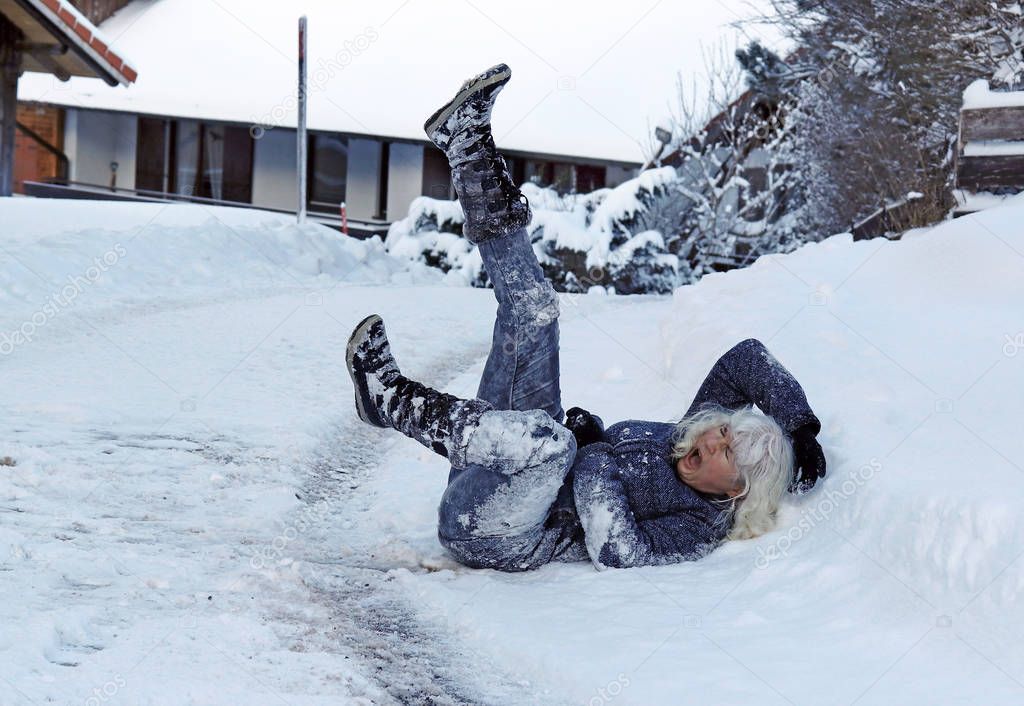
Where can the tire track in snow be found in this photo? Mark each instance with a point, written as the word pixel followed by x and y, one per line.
pixel 412 661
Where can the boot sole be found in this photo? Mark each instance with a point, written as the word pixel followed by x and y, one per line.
pixel 445 112
pixel 350 356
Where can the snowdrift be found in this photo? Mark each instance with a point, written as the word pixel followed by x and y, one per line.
pixel 123 252
pixel 898 580
pixel 169 526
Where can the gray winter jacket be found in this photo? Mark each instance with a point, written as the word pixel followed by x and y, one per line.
pixel 633 508
pixel 630 508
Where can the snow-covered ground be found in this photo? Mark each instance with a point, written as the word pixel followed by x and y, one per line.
pixel 195 516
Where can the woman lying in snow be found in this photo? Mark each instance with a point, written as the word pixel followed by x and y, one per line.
pixel 525 490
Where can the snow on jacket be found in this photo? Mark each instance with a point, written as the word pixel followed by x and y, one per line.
pixel 633 509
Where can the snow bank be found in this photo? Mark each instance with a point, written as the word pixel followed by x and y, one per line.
pixel 898 580
pixel 160 537
pixel 61 254
pixel 432 234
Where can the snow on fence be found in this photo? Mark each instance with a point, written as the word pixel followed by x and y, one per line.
pixel 887 219
pixel 990 154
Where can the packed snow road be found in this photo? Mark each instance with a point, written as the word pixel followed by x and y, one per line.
pixel 186 494
pixel 178 518
pixel 190 512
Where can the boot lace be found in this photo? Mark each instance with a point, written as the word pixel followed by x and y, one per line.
pixel 499 179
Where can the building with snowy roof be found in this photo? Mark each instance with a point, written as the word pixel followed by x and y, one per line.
pixel 213 114
pixel 49 37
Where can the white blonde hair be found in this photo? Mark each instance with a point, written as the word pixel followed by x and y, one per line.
pixel 764 461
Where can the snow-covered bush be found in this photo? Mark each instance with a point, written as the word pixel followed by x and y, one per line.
pixel 608 238
pixel 432 234
pixel 877 87
pixel 731 148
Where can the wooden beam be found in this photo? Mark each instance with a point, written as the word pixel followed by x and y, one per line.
pixel 39 48
pixel 10 70
pixel 991 124
pixel 987 173
pixel 46 60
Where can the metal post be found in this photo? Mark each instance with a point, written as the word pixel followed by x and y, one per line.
pixel 165 182
pixel 302 146
pixel 10 58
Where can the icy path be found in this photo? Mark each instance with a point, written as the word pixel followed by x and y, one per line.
pixel 195 516
pixel 178 522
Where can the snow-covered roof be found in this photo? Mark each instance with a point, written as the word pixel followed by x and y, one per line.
pixel 979 95
pixel 588 80
pixel 50 28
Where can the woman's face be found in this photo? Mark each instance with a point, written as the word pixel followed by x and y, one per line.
pixel 710 466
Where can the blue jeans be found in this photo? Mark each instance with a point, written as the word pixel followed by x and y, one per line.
pixel 498 511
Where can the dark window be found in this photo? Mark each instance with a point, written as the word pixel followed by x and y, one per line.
pixel 560 176
pixel 517 168
pixel 437 176
pixel 564 181
pixel 382 186
pixel 238 149
pixel 213 161
pixel 563 177
pixel 590 178
pixel 152 168
pixel 328 171
pixel 540 173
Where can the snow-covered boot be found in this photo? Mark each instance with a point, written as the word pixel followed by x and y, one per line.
pixel 461 128
pixel 386 398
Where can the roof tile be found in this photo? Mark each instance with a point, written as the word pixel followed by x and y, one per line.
pixel 84 29
pixel 84 32
pixel 69 18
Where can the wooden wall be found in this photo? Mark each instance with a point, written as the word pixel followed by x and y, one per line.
pixel 31 161
pixel 99 10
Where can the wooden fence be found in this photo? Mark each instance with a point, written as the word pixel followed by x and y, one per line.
pixel 990 153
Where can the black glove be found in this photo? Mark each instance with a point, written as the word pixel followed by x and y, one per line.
pixel 809 460
pixel 586 427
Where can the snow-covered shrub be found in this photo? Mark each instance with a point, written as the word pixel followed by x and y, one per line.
pixel 608 238
pixel 643 265
pixel 877 86
pixel 648 202
pixel 732 146
pixel 432 234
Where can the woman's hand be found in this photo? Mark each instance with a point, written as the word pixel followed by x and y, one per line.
pixel 809 460
pixel 586 427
